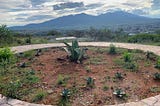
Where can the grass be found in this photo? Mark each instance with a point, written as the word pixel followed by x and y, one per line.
pixel 39 96
pixel 155 89
pixel 62 80
pixel 88 69
pixel 17 82
pixel 105 88
pixel 98 60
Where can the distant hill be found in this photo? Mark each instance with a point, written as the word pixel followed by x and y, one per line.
pixel 83 21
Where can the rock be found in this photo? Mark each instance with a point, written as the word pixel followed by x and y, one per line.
pixel 22 65
pixel 3 100
pixel 49 91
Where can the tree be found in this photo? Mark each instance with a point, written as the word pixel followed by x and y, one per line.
pixel 54 33
pixel 5 35
pixel 93 33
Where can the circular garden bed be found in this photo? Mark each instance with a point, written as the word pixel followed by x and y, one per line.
pixel 104 76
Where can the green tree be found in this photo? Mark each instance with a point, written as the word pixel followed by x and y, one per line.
pixel 6 37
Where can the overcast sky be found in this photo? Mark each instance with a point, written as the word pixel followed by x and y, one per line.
pixel 21 12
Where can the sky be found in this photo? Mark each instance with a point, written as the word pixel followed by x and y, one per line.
pixel 21 12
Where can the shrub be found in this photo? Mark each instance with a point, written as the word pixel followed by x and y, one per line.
pixel 76 54
pixel 127 57
pixel 141 38
pixel 112 49
pixel 158 63
pixel 6 57
pixel 150 55
pixel 60 80
pixel 5 54
pixel 157 76
pixel 28 40
pixel 131 65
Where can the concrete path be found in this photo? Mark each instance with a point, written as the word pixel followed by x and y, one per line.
pixel 154 49
pixel 152 101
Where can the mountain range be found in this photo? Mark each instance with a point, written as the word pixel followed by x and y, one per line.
pixel 84 21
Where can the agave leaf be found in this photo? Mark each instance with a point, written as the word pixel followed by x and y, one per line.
pixel 75 44
pixel 66 49
pixel 68 46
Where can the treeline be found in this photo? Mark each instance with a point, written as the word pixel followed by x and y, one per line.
pixel 144 38
pixel 10 38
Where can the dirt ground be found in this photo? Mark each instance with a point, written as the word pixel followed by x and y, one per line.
pixel 100 66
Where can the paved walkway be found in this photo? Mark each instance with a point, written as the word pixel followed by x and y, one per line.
pixel 152 101
pixel 155 49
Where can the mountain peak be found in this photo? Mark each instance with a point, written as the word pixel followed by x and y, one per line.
pixel 84 21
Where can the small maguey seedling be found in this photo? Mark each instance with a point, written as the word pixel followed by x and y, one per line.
pixel 157 76
pixel 65 95
pixel 118 75
pixel 119 93
pixel 90 82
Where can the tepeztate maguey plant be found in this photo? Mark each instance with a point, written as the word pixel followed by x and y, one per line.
pixel 76 54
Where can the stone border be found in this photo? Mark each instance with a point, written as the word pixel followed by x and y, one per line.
pixel 152 101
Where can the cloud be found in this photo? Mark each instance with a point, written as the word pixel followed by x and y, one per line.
pixel 38 2
pixel 68 5
pixel 141 11
pixel 39 17
pixel 156 4
pixel 20 12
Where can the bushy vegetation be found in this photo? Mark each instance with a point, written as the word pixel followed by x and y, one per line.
pixel 11 89
pixel 5 54
pixel 127 57
pixel 75 53
pixel 144 38
pixel 6 36
pixel 6 58
pixel 112 49
pixel 158 63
